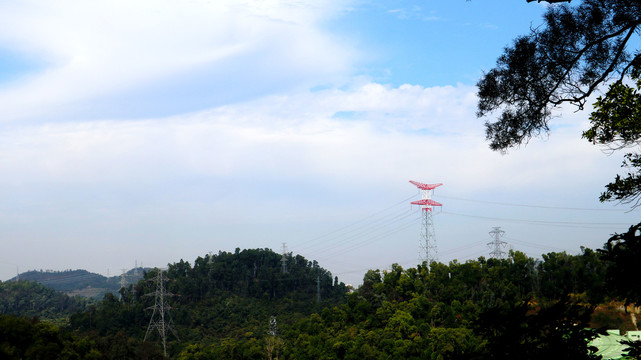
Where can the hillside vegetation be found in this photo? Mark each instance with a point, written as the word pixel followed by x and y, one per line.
pixel 32 299
pixel 80 282
pixel 242 305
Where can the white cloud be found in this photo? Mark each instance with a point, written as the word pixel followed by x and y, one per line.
pixel 98 48
pixel 257 173
pixel 102 167
pixel 393 132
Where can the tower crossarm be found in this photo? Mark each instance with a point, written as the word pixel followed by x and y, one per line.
pixel 426 202
pixel 422 186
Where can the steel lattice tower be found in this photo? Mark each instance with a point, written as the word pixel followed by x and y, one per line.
pixel 160 318
pixel 427 251
pixel 123 281
pixel 283 259
pixel 497 244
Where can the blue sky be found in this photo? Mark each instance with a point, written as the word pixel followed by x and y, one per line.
pixel 165 130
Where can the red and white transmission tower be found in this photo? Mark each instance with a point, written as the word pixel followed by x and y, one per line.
pixel 427 244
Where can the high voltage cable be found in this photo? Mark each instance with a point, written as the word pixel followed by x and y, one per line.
pixel 372 229
pixel 541 222
pixel 473 255
pixel 462 247
pixel 335 242
pixel 367 241
pixel 534 245
pixel 349 230
pixel 370 240
pixel 355 222
pixel 353 234
pixel 412 263
pixel 350 234
pixel 531 206
pixel 380 268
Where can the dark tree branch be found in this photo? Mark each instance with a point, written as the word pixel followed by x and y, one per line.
pixel 543 70
pixel 603 76
pixel 566 60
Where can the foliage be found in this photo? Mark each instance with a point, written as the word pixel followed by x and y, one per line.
pixel 241 305
pixel 254 273
pixel 623 251
pixel 578 49
pixel 479 309
pixel 28 298
pixel 69 280
pixel 80 282
pixel 633 350
pixel 616 123
pixel 22 338
pixel 223 301
pixel 559 330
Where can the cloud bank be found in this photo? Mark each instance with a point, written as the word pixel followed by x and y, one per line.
pixel 197 126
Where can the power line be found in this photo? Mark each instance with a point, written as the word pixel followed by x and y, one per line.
pixel 542 222
pixel 359 229
pixel 383 223
pixel 463 247
pixel 371 240
pixel 355 222
pixel 371 229
pixel 531 206
pixel 535 245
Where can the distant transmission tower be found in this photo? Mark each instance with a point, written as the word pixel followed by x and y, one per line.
pixel 497 245
pixel 283 259
pixel 427 251
pixel 271 341
pixel 160 319
pixel 123 281
pixel 273 326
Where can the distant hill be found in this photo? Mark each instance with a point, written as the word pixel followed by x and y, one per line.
pixel 81 282
pixel 31 299
pixel 229 295
pixel 251 303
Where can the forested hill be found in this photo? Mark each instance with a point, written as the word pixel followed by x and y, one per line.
pixel 225 298
pixel 255 273
pixel 223 305
pixel 248 305
pixel 32 299
pixel 80 282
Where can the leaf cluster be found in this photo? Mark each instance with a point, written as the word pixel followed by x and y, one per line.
pixel 616 123
pixel 29 298
pixel 622 252
pixel 484 309
pixel 480 309
pixel 563 61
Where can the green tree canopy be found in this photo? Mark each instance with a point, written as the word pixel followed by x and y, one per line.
pixel 616 123
pixel 624 252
